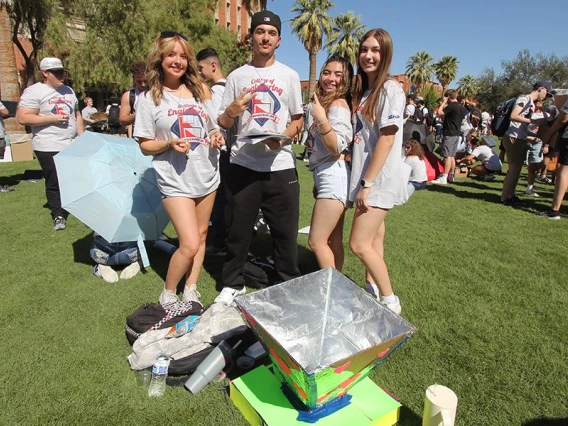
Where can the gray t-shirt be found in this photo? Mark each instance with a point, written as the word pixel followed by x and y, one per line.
pixel 87 111
pixel 389 187
pixel 519 130
pixel 488 158
pixel 196 173
pixel 340 120
pixel 50 101
pixel 278 97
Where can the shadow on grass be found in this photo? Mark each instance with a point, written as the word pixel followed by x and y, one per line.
pixel 409 417
pixel 546 422
pixel 28 175
pixel 530 205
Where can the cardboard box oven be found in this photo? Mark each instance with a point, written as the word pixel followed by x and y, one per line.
pixel 21 147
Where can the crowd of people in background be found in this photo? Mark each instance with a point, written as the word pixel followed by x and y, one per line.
pixel 354 144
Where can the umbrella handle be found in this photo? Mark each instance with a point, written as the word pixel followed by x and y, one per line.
pixel 142 250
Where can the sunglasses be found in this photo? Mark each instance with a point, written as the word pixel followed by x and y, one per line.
pixel 168 34
pixel 58 73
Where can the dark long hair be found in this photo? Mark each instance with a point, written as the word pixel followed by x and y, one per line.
pixel 343 91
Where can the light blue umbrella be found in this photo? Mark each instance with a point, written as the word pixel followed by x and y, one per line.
pixel 108 184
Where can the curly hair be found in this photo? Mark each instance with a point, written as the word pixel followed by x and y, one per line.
pixel 362 84
pixel 415 148
pixel 161 47
pixel 343 90
pixel 138 68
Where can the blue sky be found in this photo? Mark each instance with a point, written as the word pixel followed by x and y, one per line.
pixel 479 33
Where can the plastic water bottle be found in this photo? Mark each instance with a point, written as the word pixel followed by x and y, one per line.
pixel 159 376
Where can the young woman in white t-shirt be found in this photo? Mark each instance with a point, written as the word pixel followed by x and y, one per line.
pixel 331 132
pixel 175 123
pixel 414 157
pixel 377 182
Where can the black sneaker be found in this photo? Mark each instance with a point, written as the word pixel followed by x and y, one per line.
pixel 551 214
pixel 513 201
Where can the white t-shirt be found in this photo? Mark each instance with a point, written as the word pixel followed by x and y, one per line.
pixel 409 111
pixel 50 101
pixel 340 120
pixel 417 169
pixel 87 111
pixel 2 129
pixel 389 187
pixel 278 97
pixel 488 158
pixel 196 173
pixel 516 129
pixel 217 91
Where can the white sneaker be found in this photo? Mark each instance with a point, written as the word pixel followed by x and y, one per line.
pixel 532 192
pixel 190 294
pixel 228 294
pixel 373 290
pixel 167 297
pixel 130 271
pixel 442 180
pixel 107 273
pixel 395 307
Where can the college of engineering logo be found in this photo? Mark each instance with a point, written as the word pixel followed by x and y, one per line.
pixel 61 107
pixel 189 126
pixel 264 105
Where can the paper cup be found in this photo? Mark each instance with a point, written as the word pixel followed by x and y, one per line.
pixel 440 406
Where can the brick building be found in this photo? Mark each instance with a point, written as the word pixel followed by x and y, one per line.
pixel 233 15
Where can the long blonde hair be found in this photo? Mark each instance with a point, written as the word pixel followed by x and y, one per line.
pixel 161 47
pixel 362 83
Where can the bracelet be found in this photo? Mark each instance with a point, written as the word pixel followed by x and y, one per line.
pixel 323 122
pixel 227 112
pixel 329 131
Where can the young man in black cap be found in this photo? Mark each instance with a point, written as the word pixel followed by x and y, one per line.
pixel 264 96
pixel 515 139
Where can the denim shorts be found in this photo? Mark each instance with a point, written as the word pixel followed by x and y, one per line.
pixel 332 180
pixel 113 254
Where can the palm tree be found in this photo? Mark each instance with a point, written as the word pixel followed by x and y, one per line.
pixel 467 85
pixel 254 6
pixel 310 25
pixel 419 69
pixel 345 35
pixel 10 90
pixel 446 70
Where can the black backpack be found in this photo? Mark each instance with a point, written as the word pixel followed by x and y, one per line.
pixel 153 316
pixel 419 113
pixel 113 114
pixel 502 117
pixel 132 100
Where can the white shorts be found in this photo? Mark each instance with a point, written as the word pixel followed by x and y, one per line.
pixel 332 180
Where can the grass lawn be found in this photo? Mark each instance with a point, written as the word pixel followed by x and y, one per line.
pixel 484 284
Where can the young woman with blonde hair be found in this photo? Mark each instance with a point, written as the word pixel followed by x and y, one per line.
pixel 377 182
pixel 331 132
pixel 175 123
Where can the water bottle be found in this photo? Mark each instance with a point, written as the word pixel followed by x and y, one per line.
pixel 159 376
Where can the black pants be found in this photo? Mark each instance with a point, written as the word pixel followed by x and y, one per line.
pixel 277 194
pixel 217 233
pixel 51 183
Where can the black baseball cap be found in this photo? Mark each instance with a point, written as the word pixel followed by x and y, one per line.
pixel 265 17
pixel 545 84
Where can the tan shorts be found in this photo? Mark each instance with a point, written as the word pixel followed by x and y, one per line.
pixel 516 149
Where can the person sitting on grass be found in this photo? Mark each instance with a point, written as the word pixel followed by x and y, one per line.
pixel 107 254
pixel 490 163
pixel 414 157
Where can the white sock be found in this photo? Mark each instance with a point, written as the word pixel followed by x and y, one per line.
pixel 529 187
pixel 389 299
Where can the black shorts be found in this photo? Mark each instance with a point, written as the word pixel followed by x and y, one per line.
pixel 562 146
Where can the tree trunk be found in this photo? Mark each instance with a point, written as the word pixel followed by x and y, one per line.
pixel 10 88
pixel 313 79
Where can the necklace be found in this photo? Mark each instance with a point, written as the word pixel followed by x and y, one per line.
pixel 263 78
pixel 178 90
